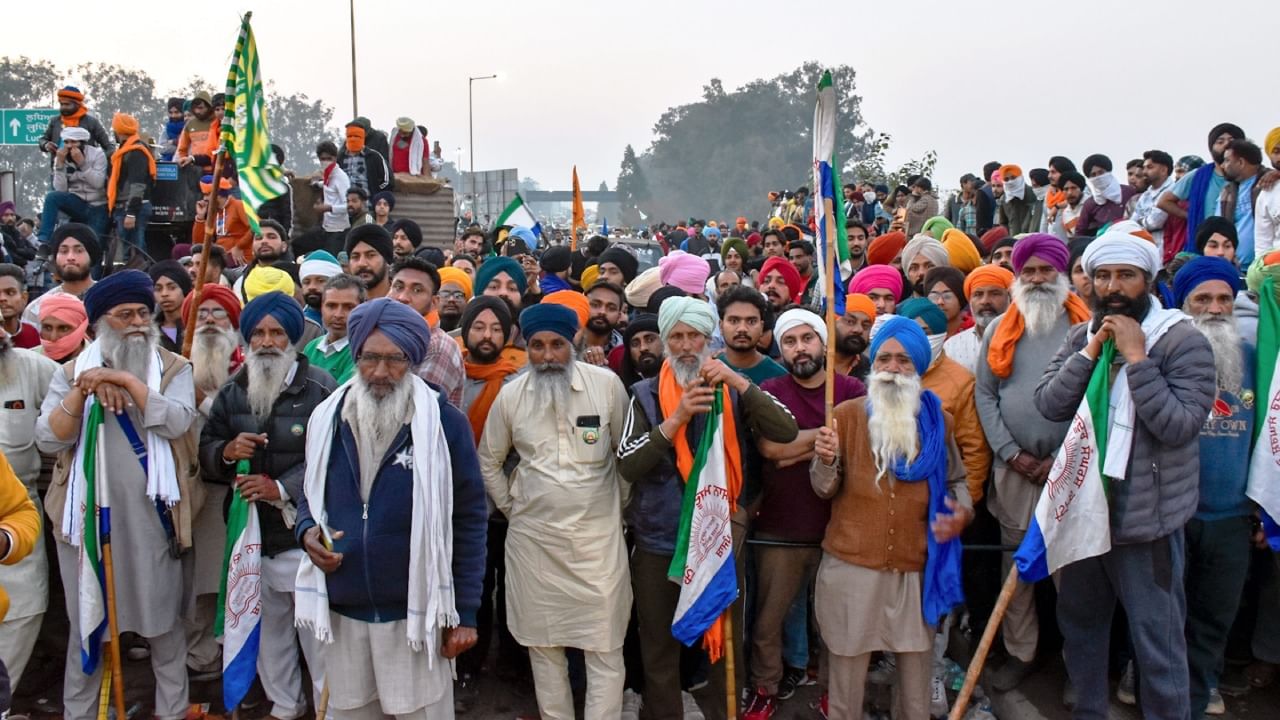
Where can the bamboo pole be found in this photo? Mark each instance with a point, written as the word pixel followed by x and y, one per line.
pixel 210 225
pixel 984 646
pixel 730 679
pixel 113 628
pixel 322 709
pixel 829 293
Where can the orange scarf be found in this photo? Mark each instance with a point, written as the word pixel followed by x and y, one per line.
pixel 73 120
pixel 117 159
pixel 1012 325
pixel 492 374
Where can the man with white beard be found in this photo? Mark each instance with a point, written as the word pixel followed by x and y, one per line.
pixel 215 348
pixel 141 392
pixel 1017 346
pixel 890 568
pixel 393 518
pixel 1218 535
pixel 567 578
pixel 987 288
pixel 260 416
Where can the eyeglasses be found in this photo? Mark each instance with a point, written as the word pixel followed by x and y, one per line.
pixel 207 313
pixel 373 360
pixel 128 316
pixel 453 295
pixel 945 296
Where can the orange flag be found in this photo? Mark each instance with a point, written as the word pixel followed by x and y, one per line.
pixel 579 216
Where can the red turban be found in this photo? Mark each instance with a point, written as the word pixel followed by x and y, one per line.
pixel 789 273
pixel 219 294
pixel 885 248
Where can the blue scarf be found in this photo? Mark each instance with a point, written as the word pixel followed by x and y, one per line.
pixel 553 283
pixel 1196 209
pixel 172 131
pixel 943 588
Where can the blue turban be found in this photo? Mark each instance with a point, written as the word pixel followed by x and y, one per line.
pixel 400 323
pixel 525 234
pixel 911 335
pixel 691 311
pixel 282 307
pixel 544 317
pixel 122 287
pixel 501 264
pixel 1200 270
pixel 922 309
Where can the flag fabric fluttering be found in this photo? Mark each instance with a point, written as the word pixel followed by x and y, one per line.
pixel 826 184
pixel 579 215
pixel 95 525
pixel 1072 520
pixel 244 128
pixel 239 619
pixel 517 213
pixel 703 562
pixel 1264 466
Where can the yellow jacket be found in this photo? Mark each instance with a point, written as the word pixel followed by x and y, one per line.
pixel 19 519
pixel 954 386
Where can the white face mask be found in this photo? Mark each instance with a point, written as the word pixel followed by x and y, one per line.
pixel 935 346
pixel 1014 187
pixel 1104 188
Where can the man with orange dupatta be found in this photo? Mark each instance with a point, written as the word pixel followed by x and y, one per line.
pixel 665 423
pixel 1017 346
pixel 133 175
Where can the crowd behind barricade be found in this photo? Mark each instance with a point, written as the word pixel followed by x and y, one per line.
pixel 469 463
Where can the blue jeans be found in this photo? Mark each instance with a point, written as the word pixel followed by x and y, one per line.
pixel 136 237
pixel 795 632
pixel 76 209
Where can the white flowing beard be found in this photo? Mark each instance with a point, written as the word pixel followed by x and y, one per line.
pixel 551 382
pixel 133 353
pixel 1228 358
pixel 267 370
pixel 375 420
pixel 892 430
pixel 1041 305
pixel 211 356
pixel 687 370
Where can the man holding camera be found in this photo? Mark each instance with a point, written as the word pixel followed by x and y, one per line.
pixel 79 186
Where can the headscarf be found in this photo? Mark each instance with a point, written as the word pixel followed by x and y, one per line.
pixel 76 133
pixel 693 312
pixel 625 261
pixel 572 299
pixel 590 274
pixel 910 334
pixel 924 245
pixel 639 291
pixel 450 274
pixel 122 287
pixel 685 271
pixel 859 302
pixel 1215 224
pixel 81 233
pixel 319 262
pixel 736 244
pixel 1015 185
pixel 67 308
pixel 790 275
pixel 282 307
pixel 936 227
pixel 355 138
pixel 993 236
pixel 987 276
pixel 796 317
pixel 400 323
pixel 877 276
pixel 264 279
pixel 1201 270
pixel 375 236
pixel 885 248
pixel 922 309
pixel 549 317
pixel 1048 248
pixel 124 124
pixel 961 253
pixel 1120 248
pixel 220 294
pixel 1272 141
pixel 73 94
pixel 494 266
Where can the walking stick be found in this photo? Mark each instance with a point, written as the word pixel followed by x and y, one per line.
pixel 323 708
pixel 984 646
pixel 210 224
pixel 730 681
pixel 113 628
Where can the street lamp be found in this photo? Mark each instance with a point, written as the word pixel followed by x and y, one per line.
pixel 471 136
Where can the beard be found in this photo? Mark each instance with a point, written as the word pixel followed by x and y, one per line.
pixel 803 366
pixel 1228 359
pixel 648 364
pixel 850 345
pixel 551 382
pixel 73 273
pixel 1121 304
pixel 131 352
pixel 598 325
pixel 267 368
pixel 371 278
pixel 449 320
pixel 1041 305
pixel 895 401
pixel 313 298
pixel 983 318
pixel 211 351
pixel 687 367
pixel 376 412
pixel 484 353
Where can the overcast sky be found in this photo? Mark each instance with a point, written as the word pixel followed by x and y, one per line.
pixel 579 79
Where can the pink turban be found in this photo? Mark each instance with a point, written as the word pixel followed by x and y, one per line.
pixel 70 310
pixel 1048 248
pixel 684 271
pixel 877 276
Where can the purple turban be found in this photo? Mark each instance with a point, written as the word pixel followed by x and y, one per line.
pixel 400 323
pixel 1048 248
pixel 877 276
pixel 1201 270
pixel 685 271
pixel 282 307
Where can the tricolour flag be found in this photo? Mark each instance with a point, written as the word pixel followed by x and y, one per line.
pixel 1264 466
pixel 703 560
pixel 244 128
pixel 826 184
pixel 1072 521
pixel 517 214
pixel 239 620
pixel 96 524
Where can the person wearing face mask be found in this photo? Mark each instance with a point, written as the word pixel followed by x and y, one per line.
pixel 954 386
pixel 365 167
pixel 1107 200
pixel 1018 205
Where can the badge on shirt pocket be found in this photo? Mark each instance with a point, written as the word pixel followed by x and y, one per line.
pixel 590 427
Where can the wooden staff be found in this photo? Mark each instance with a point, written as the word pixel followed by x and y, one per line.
pixel 984 646
pixel 830 292
pixel 210 225
pixel 322 709
pixel 113 628
pixel 730 681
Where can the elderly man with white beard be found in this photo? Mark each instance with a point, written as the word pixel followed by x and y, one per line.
pixel 1218 535
pixel 393 517
pixel 1016 347
pixel 891 555
pixel 567 578
pixel 133 393
pixel 260 416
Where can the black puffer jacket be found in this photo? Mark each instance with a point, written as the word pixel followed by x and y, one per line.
pixel 282 458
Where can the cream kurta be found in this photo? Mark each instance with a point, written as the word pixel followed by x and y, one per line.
pixel 568 582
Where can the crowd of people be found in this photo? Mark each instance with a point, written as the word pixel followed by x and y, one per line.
pixel 471 460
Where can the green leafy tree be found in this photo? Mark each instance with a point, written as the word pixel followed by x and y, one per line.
pixel 633 189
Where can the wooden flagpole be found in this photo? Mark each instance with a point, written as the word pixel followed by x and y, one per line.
pixel 210 225
pixel 829 292
pixel 113 628
pixel 984 645
pixel 730 679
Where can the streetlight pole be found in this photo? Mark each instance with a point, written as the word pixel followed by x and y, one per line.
pixel 355 107
pixel 471 137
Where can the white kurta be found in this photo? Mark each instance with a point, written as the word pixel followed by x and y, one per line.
pixel 568 582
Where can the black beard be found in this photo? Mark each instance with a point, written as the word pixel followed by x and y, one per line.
pixel 1135 308
pixel 268 257
pixel 805 367
pixel 76 275
pixel 484 353
pixel 313 299
pixel 375 280
pixel 648 364
pixel 599 326
pixel 851 345
pixel 918 289
pixel 449 321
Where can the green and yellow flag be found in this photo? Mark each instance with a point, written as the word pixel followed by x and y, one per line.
pixel 244 128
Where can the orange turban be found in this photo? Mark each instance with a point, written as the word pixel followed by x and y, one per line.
pixel 124 124
pixel 885 248
pixel 207 185
pixel 573 300
pixel 987 276
pixel 1010 171
pixel 858 302
pixel 70 93
pixel 960 250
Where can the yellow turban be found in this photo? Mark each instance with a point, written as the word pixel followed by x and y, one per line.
pixel 589 277
pixel 776 223
pixel 961 251
pixel 1272 140
pixel 264 279
pixel 450 274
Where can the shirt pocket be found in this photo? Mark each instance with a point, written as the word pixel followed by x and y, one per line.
pixel 590 443
pixel 18 427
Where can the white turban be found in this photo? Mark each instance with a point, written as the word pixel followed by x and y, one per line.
pixel 1120 248
pixel 323 266
pixel 796 317
pixel 929 247
pixel 78 134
